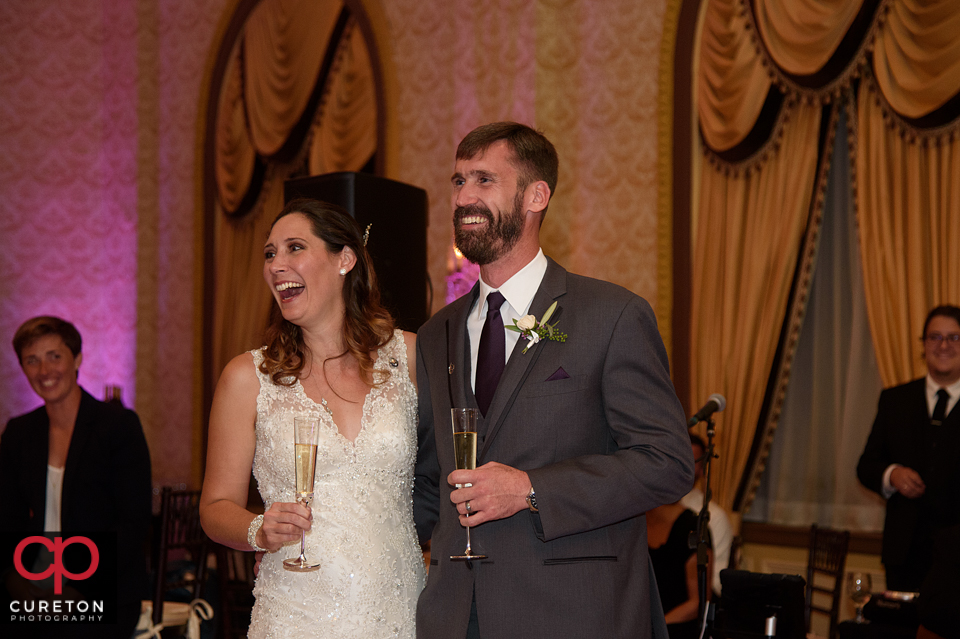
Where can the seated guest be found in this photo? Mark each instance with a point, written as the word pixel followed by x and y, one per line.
pixel 675 566
pixel 74 465
pixel 720 529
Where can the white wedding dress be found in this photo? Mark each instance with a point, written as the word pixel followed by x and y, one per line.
pixel 363 534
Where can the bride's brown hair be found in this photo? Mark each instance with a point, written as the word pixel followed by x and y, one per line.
pixel 367 325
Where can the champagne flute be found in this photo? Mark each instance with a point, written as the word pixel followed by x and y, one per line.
pixel 306 432
pixel 464 421
pixel 858 583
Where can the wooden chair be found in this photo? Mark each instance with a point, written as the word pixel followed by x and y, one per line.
pixel 182 540
pixel 236 580
pixel 828 557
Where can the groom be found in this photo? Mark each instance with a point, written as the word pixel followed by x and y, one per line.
pixel 578 439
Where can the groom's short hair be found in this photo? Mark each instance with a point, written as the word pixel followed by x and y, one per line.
pixel 535 157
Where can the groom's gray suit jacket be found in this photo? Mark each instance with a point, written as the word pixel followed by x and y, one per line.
pixel 596 423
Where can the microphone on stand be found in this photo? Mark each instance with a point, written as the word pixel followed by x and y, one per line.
pixel 715 404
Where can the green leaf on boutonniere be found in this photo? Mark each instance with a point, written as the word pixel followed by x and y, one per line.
pixel 548 314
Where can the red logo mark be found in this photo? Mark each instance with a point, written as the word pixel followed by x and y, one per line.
pixel 57 570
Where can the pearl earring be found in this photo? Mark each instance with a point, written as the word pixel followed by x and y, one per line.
pixel 343 271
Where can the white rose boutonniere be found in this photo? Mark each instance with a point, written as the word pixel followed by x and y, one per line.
pixel 534 331
pixel 526 322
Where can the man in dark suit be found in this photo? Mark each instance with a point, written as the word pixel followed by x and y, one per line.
pixel 578 438
pixel 910 456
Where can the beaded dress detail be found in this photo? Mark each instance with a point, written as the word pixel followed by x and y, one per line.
pixel 363 534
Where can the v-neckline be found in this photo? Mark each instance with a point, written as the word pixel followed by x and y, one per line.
pixel 327 417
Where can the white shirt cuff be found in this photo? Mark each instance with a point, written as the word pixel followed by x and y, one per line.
pixel 888 489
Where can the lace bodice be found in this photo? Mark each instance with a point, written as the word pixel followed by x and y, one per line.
pixel 362 533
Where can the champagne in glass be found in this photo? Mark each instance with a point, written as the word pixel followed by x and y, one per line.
pixel 465 449
pixel 306 432
pixel 464 421
pixel 859 585
pixel 306 467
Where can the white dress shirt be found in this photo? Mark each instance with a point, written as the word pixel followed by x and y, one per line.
pixel 518 291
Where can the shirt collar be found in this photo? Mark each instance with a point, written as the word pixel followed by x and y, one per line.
pixel 520 289
pixel 932 388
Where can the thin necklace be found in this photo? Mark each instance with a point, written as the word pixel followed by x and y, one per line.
pixel 323 402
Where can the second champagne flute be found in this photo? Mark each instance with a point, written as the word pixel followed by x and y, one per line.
pixel 464 421
pixel 306 434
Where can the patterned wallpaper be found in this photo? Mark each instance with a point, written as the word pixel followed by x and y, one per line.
pixel 98 116
pixel 583 71
pixel 68 169
pixel 99 110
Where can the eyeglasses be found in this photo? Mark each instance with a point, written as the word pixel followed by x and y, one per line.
pixel 936 338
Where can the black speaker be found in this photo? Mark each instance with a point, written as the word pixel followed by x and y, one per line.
pixel 398 237
pixel 749 598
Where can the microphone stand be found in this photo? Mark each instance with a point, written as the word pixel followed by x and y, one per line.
pixel 701 538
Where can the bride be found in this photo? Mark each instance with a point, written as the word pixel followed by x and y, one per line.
pixel 331 352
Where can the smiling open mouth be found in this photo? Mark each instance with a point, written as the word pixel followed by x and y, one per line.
pixel 289 290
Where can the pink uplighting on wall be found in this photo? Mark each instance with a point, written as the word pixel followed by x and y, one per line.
pixel 463 274
pixel 68 230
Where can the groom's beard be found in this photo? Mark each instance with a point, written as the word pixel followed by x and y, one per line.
pixel 496 239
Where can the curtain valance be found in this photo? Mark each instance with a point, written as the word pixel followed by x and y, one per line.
pixel 802 35
pixel 917 57
pixel 284 45
pixel 815 50
pixel 732 84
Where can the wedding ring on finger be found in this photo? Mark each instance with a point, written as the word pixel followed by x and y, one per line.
pixel 467 506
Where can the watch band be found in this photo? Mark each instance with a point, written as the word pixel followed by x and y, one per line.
pixel 532 501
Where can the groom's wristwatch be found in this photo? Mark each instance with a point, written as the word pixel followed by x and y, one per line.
pixel 532 501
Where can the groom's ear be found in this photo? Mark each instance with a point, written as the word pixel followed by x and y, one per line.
pixel 537 196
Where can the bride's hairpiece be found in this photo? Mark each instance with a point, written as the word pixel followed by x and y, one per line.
pixel 366 234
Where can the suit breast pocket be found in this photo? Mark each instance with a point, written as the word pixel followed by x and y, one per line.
pixel 555 387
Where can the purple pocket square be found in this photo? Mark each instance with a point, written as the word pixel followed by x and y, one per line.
pixel 559 374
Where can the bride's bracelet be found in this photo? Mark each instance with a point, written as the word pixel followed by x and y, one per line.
pixel 252 531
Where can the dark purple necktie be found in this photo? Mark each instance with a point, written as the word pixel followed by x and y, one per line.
pixel 939 411
pixel 491 356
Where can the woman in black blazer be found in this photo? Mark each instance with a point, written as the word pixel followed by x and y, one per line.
pixel 78 466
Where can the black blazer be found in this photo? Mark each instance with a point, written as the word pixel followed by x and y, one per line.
pixel 902 434
pixel 106 483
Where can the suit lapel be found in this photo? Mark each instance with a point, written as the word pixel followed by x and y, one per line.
pixel 35 468
pixel 458 352
pixel 919 392
pixel 82 431
pixel 553 286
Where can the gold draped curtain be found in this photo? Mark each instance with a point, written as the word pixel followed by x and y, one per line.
pixel 751 223
pixel 758 201
pixel 908 192
pixel 270 78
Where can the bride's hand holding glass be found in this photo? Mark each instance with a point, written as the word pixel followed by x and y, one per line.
pixel 283 523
